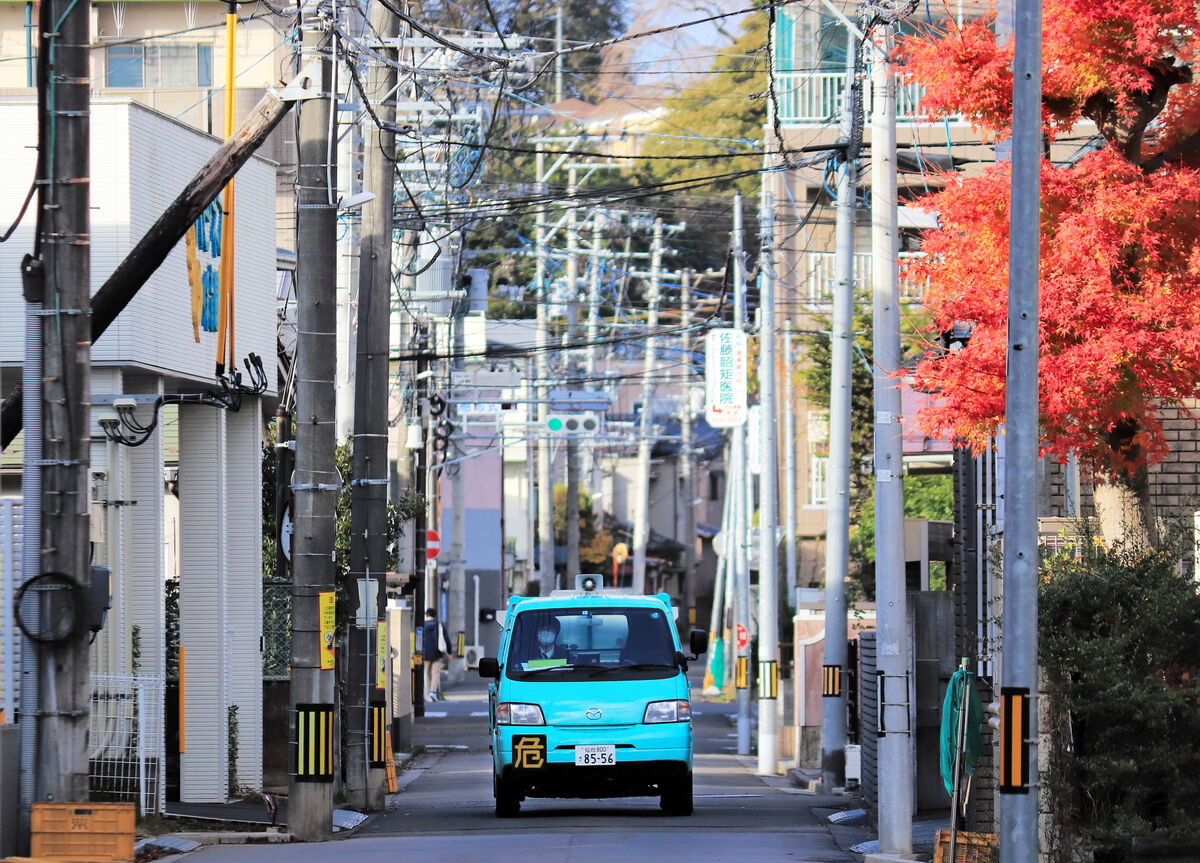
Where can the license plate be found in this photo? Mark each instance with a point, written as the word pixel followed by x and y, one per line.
pixel 596 755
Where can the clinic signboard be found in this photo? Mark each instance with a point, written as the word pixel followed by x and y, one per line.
pixel 725 368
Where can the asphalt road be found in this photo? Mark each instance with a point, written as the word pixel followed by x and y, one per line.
pixel 444 809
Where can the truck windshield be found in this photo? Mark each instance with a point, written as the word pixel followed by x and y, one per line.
pixel 583 641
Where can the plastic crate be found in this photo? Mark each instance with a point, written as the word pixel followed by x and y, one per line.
pixel 968 847
pixel 91 832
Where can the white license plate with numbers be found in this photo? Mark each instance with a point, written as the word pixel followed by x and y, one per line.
pixel 595 755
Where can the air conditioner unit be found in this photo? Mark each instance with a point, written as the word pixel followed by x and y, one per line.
pixel 472 653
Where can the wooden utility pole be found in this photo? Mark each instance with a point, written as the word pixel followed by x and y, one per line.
pixel 366 785
pixel 64 678
pixel 316 482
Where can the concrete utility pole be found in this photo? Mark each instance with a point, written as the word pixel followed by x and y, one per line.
pixel 593 320
pixel 315 489
pixel 739 477
pixel 60 280
pixel 545 497
pixel 895 737
pixel 686 458
pixel 768 568
pixel 789 468
pixel 641 513
pixel 366 786
pixel 558 52
pixel 1018 694
pixel 837 529
pixel 572 501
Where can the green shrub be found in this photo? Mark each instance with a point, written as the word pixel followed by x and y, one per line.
pixel 1119 641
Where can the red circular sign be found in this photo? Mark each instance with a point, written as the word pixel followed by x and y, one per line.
pixel 743 637
pixel 433 544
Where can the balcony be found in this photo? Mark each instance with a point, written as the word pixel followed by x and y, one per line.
pixel 809 98
pixel 817 290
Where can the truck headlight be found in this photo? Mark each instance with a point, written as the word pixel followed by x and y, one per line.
pixel 668 711
pixel 515 713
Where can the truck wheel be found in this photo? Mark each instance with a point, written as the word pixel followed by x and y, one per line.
pixel 676 798
pixel 508 801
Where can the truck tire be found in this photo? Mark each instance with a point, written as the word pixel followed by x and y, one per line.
pixel 508 801
pixel 676 797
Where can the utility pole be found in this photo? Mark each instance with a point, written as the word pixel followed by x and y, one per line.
pixel 545 499
pixel 641 519
pixel 837 523
pixel 558 51
pixel 366 785
pixel 768 569
pixel 313 702
pixel 895 737
pixel 789 469
pixel 738 480
pixel 60 280
pixel 572 501
pixel 593 320
pixel 686 463
pixel 1018 693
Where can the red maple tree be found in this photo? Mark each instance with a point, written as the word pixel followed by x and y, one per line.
pixel 1120 266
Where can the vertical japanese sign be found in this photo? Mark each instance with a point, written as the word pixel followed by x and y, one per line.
pixel 381 655
pixel 725 366
pixel 327 615
pixel 203 246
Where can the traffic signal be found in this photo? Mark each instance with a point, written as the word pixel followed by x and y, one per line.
pixel 572 424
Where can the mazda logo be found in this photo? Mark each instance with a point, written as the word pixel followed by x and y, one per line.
pixel 592 713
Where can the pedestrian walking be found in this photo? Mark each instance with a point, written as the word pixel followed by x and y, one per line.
pixel 435 644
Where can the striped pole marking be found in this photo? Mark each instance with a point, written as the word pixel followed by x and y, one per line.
pixel 1014 732
pixel 768 679
pixel 314 742
pixel 831 681
pixel 379 734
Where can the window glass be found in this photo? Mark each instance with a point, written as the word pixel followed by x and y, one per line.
pixel 204 65
pixel 124 66
pixel 169 65
pixel 177 66
pixel 590 640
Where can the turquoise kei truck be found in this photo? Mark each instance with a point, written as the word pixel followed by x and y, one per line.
pixel 590 698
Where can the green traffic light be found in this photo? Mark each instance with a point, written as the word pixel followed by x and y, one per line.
pixel 554 424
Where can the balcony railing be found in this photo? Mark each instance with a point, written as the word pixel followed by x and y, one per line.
pixel 815 98
pixel 818 286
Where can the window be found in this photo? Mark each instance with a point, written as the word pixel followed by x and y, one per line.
pixel 583 643
pixel 172 65
pixel 818 481
pixel 714 484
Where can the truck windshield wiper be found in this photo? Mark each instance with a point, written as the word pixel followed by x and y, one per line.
pixel 566 666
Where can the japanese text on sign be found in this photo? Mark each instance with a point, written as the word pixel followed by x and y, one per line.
pixel 725 378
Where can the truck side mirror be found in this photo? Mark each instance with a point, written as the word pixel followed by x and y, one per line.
pixel 489 666
pixel 698 641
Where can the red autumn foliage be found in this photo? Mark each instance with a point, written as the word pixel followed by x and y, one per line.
pixel 1120 267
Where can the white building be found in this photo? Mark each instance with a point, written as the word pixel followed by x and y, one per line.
pixel 210 537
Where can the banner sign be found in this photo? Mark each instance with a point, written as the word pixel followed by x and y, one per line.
pixel 725 367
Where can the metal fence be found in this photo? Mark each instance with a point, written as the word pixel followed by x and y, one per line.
pixel 125 743
pixel 277 629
